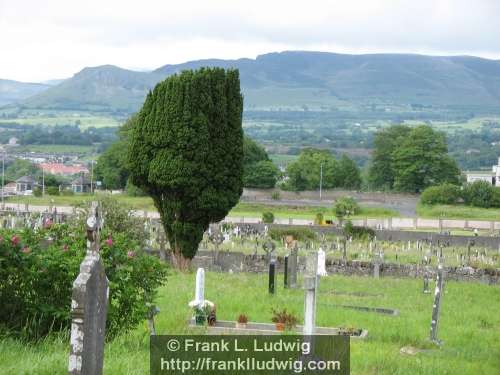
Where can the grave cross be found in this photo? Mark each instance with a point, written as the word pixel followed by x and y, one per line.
pixel 94 226
pixel 89 306
pixel 436 307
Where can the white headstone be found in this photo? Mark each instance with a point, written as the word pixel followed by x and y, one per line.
pixel 199 294
pixel 321 263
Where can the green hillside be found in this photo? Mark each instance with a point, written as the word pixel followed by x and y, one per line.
pixel 307 80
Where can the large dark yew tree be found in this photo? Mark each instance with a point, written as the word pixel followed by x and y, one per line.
pixel 186 152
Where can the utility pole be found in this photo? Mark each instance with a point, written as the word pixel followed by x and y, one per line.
pixel 92 176
pixel 3 178
pixel 320 179
pixel 43 182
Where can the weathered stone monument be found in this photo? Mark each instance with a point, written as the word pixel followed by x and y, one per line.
pixel 426 282
pixel 310 286
pixel 89 305
pixel 436 307
pixel 292 265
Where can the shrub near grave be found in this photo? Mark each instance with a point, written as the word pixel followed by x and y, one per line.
pixel 36 282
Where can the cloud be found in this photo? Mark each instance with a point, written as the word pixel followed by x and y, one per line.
pixel 57 38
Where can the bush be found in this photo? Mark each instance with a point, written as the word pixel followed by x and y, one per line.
pixel 300 234
pixel 345 207
pixel 441 194
pixel 52 190
pixel 360 233
pixel 320 219
pixel 117 216
pixel 268 217
pixel 67 192
pixel 480 194
pixel 276 196
pixel 37 192
pixel 36 280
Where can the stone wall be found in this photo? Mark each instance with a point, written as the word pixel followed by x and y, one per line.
pixel 239 262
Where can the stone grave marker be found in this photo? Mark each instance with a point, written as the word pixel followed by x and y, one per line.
pixel 89 306
pixel 436 307
pixel 285 272
pixel 293 264
pixel 272 277
pixel 322 263
pixel 310 286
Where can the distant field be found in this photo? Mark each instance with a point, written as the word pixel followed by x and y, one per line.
pixel 84 121
pixel 57 149
pixel 458 212
pixel 282 159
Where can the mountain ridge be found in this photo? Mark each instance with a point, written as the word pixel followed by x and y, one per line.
pixel 294 79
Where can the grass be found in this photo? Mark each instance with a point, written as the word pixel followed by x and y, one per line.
pixel 304 212
pixel 241 209
pixel 458 212
pixel 469 330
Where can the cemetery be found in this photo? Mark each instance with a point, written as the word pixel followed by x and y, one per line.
pixel 248 280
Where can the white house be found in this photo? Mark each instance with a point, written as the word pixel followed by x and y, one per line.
pixel 492 177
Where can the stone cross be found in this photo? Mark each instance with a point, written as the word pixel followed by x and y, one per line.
pixel 310 286
pixel 89 306
pixel 322 263
pixel 436 307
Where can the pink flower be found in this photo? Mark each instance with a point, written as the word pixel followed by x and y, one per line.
pixel 130 254
pixel 65 248
pixel 109 241
pixel 15 240
pixel 26 250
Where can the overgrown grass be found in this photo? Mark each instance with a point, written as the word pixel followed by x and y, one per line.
pixel 469 325
pixel 458 212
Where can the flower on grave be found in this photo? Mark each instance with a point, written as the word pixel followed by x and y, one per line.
pixel 15 240
pixel 130 254
pixel 48 223
pixel 65 248
pixel 26 250
pixel 109 241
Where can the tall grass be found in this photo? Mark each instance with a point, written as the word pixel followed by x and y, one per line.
pixel 469 325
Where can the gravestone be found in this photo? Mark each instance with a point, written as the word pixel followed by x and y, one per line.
pixel 89 306
pixel 426 282
pixel 436 307
pixel 272 277
pixel 269 247
pixel 310 286
pixel 292 264
pixel 322 263
pixel 285 272
pixel 199 291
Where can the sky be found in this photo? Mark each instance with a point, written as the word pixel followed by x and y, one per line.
pixel 51 39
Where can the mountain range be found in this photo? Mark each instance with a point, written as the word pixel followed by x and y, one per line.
pixel 292 79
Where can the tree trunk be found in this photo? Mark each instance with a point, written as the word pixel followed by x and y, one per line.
pixel 179 261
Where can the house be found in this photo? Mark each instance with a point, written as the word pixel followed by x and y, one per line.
pixel 81 185
pixel 62 169
pixel 492 177
pixel 25 185
pixel 10 188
